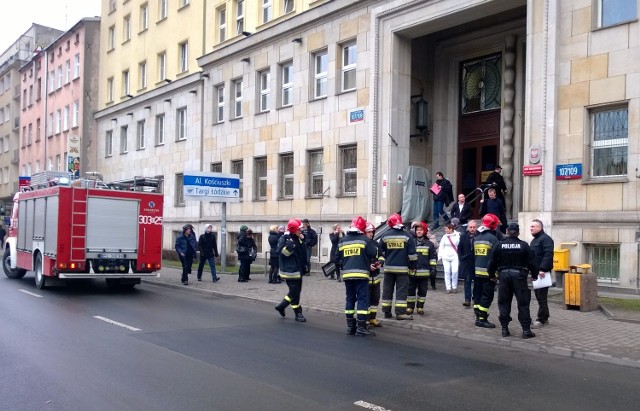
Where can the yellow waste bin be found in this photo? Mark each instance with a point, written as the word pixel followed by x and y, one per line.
pixel 581 288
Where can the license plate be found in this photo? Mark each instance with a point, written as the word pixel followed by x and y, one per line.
pixel 112 256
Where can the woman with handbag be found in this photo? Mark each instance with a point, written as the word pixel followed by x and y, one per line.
pixel 448 253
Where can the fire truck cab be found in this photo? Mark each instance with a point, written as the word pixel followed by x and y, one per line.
pixel 64 229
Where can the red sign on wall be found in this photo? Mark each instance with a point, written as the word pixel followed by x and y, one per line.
pixel 531 170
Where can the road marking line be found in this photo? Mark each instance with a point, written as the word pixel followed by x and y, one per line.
pixel 369 406
pixel 29 292
pixel 107 320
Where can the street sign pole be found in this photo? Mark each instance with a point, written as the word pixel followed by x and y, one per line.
pixel 223 236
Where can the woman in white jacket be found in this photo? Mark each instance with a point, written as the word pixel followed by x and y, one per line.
pixel 448 253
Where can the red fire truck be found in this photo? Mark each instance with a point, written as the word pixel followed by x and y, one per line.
pixel 64 229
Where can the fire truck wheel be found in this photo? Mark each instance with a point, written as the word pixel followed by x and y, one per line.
pixel 40 278
pixel 13 273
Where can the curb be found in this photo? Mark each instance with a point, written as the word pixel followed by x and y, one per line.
pixel 510 342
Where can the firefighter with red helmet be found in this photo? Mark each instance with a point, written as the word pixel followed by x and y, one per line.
pixel 485 284
pixel 398 253
pixel 356 257
pixel 292 266
pixel 426 266
pixel 374 279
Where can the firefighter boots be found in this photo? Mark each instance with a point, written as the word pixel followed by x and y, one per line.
pixel 409 311
pixel 505 331
pixel 362 329
pixel 375 322
pixel 299 316
pixel 351 326
pixel 404 317
pixel 280 307
pixel 388 315
pixel 420 311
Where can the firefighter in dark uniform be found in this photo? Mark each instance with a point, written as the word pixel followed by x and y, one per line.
pixel 398 254
pixel 292 266
pixel 374 279
pixel 485 285
pixel 513 259
pixel 356 257
pixel 426 266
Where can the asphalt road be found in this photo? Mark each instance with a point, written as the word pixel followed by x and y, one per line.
pixel 85 347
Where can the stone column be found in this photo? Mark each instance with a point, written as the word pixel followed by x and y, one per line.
pixel 508 112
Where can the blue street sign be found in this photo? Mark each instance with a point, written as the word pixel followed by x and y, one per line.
pixel 568 171
pixel 215 187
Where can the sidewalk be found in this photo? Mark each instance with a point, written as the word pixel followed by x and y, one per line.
pixel 585 335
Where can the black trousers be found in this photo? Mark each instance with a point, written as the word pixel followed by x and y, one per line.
pixel 187 262
pixel 401 284
pixel 483 290
pixel 245 268
pixel 374 299
pixel 543 307
pixel 514 282
pixel 293 296
pixel 421 284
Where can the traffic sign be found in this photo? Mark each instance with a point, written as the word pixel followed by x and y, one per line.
pixel 213 187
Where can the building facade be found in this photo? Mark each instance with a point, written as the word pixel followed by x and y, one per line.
pixel 319 107
pixel 19 53
pixel 59 96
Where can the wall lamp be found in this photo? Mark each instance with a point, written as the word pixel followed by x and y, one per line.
pixel 205 75
pixel 421 107
pixel 167 100
pixel 130 114
pixel 246 33
pixel 246 60
pixel 167 81
pixel 129 95
pixel 297 40
pixel 193 91
pixel 147 107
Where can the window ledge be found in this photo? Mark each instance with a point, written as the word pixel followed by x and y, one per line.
pixel 314 197
pixel 615 25
pixel 606 180
pixel 346 195
pixel 235 118
pixel 184 6
pixel 285 198
pixel 179 140
pixel 283 107
pixel 262 112
pixel 346 91
pixel 318 99
pixel 159 144
pixel 217 123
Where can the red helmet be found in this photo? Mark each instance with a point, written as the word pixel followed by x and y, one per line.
pixel 424 227
pixel 370 228
pixel 294 225
pixel 359 223
pixel 394 220
pixel 490 221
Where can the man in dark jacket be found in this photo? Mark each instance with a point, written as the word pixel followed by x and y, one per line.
pixel 208 252
pixel 496 181
pixel 493 205
pixel 542 246
pixel 335 238
pixel 467 259
pixel 186 247
pixel 275 232
pixel 443 198
pixel 513 260
pixel 461 210
pixel 310 241
pixel 292 265
pixel 246 250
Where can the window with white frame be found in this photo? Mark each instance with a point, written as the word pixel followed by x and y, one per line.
pixel 612 12
pixel 348 66
pixel 112 6
pixel 220 103
pixel 162 9
pixel 50 126
pixel 108 144
pixel 110 90
pixel 215 167
pixel 287 6
pixel 140 136
pixel 183 3
pixel 59 85
pixel 181 124
pixel 348 162
pixel 58 163
pixel 111 40
pixel 316 173
pixel 126 28
pixel 65 119
pixel 237 168
pixel 159 129
pixel 179 193
pixel 320 68
pixel 183 52
pixel 38 130
pixel 58 121
pixel 239 16
pixel 76 114
pixel 76 66
pixel 609 142
pixel 144 17
pixel 52 80
pixel 162 66
pixel 237 98
pixel 222 25
pixel 264 79
pixel 266 10
pixel 286 175
pixel 67 71
pixel 124 143
pixel 30 134
pixel 142 75
pixel 125 83
pixel 30 95
pixel 260 176
pixel 39 89
pixel 286 84
pixel 50 164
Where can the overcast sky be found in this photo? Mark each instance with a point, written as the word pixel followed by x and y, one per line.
pixel 18 15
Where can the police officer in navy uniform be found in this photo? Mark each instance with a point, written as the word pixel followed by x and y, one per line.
pixel 513 259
